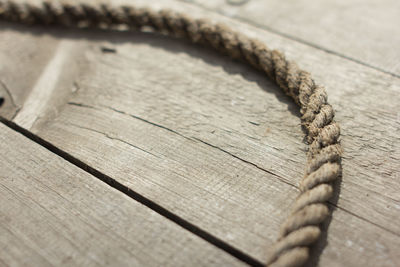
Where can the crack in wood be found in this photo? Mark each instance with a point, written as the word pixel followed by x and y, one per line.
pixel 112 138
pixel 248 162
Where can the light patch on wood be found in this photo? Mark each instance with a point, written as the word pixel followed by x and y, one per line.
pixel 43 89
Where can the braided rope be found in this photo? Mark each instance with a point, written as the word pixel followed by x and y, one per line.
pixel 301 229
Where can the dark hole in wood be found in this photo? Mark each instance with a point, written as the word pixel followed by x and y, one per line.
pixel 108 50
pixel 1 100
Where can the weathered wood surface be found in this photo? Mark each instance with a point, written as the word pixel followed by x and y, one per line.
pixel 53 213
pixel 364 31
pixel 213 141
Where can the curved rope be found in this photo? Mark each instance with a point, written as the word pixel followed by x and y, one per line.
pixel 301 229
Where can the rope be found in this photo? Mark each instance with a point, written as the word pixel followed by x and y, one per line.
pixel 301 229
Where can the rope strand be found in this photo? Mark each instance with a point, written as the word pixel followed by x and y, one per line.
pixel 301 229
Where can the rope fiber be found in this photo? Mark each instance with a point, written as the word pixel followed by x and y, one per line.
pixel 302 227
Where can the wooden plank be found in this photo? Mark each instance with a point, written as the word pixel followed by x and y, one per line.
pixel 178 123
pixel 54 214
pixel 363 31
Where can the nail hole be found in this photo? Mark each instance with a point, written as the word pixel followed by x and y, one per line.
pixel 108 50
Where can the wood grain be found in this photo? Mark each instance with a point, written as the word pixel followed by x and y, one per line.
pixel 363 31
pixel 217 144
pixel 54 214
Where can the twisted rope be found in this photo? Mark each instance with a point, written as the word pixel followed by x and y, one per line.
pixel 301 229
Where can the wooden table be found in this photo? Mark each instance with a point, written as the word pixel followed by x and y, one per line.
pixel 135 149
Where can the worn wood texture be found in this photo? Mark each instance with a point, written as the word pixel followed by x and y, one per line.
pixel 363 31
pixel 55 214
pixel 215 142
